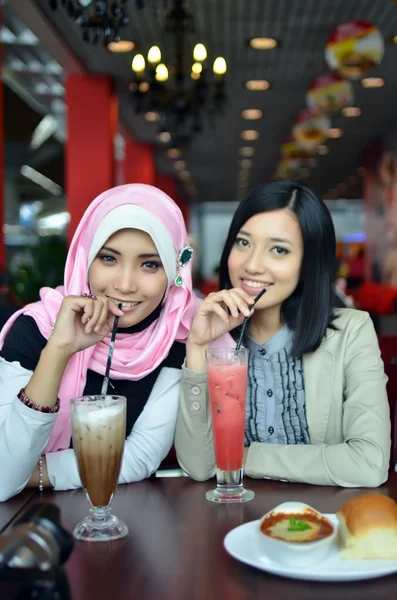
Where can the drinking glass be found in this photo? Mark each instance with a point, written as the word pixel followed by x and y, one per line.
pixel 98 432
pixel 227 371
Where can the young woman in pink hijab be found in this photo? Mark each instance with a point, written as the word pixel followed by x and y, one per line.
pixel 131 247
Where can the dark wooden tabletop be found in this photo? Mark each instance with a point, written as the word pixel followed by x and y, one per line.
pixel 12 508
pixel 175 547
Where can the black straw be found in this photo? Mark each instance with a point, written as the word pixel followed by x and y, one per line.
pixel 245 322
pixel 105 383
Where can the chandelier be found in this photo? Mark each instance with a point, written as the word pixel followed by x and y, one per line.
pixel 178 93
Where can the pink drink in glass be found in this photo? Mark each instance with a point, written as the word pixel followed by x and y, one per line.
pixel 227 385
pixel 227 371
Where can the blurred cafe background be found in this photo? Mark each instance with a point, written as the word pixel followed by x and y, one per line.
pixel 205 99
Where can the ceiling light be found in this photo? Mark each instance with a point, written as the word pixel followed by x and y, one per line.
pixel 322 149
pixel 250 134
pixel 220 66
pixel 152 117
pixel 185 175
pixel 143 86
pixel 44 130
pixel 394 39
pixel 173 153
pixel 154 55
pixel 41 180
pixel 57 221
pixel 195 75
pixel 247 151
pixel 335 133
pixel 351 111
pixel 138 63
pixel 121 46
pixel 257 85
pixel 180 165
pixel 161 72
pixel 252 114
pixel 263 43
pixel 372 82
pixel 164 137
pixel 199 52
pixel 197 67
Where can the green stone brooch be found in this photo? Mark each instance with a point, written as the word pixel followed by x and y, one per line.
pixel 184 256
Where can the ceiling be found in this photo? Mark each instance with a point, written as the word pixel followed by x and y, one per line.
pixel 302 28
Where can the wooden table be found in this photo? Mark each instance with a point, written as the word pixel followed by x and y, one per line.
pixel 11 509
pixel 175 547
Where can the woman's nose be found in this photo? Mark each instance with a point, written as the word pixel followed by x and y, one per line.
pixel 256 263
pixel 126 281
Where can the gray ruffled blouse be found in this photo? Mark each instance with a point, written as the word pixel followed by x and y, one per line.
pixel 275 412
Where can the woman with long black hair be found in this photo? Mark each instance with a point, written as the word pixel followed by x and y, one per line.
pixel 317 410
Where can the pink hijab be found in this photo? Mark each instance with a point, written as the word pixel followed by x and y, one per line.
pixel 135 355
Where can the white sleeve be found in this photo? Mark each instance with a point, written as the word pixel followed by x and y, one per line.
pixel 147 445
pixel 24 433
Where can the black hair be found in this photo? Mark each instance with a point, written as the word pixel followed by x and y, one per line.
pixel 309 310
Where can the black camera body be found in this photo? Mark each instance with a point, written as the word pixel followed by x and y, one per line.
pixel 32 555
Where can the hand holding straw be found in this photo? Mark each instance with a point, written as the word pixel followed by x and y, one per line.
pixel 105 383
pixel 245 322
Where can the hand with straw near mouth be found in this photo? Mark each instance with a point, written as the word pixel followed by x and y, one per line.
pixel 218 314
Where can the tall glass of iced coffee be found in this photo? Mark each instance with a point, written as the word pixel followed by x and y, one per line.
pixel 98 431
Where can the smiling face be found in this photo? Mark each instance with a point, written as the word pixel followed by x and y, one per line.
pixel 128 269
pixel 268 252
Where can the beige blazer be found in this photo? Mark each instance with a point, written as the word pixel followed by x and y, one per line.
pixel 347 413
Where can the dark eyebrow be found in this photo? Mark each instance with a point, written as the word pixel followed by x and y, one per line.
pixel 273 239
pixel 149 255
pixel 282 240
pixel 110 250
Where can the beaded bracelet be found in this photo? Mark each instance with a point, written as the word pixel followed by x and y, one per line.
pixel 44 409
pixel 41 474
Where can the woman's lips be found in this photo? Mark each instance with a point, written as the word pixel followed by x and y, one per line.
pixel 126 306
pixel 254 290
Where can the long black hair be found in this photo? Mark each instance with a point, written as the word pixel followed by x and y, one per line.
pixel 309 309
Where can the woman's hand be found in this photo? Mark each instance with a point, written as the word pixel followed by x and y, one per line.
pixel 83 322
pixel 218 314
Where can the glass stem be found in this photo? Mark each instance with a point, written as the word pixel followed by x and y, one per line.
pixel 229 481
pixel 100 514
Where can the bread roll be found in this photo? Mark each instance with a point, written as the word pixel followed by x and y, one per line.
pixel 368 527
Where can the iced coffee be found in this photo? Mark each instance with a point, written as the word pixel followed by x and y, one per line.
pixel 99 430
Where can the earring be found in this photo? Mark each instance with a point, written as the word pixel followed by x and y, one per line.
pixel 184 256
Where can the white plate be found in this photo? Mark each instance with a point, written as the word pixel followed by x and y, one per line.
pixel 241 543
